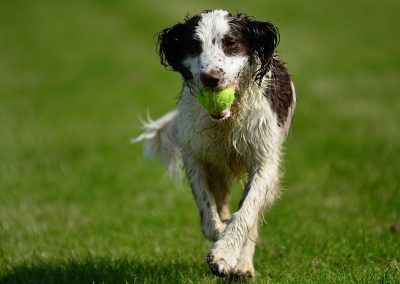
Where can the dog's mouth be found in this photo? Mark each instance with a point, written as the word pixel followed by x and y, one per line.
pixel 226 113
pixel 221 115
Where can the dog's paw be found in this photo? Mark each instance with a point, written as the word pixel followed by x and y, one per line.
pixel 222 261
pixel 219 266
pixel 244 269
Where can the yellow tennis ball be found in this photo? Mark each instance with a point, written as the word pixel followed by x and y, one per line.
pixel 216 101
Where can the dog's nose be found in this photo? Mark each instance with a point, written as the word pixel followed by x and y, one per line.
pixel 211 78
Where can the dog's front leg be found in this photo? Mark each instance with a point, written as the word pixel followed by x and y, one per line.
pixel 245 267
pixel 261 190
pixel 211 223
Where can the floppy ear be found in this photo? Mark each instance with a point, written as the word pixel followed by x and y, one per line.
pixel 175 43
pixel 169 46
pixel 263 38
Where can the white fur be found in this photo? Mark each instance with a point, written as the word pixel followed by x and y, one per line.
pixel 247 145
pixel 160 137
pixel 210 31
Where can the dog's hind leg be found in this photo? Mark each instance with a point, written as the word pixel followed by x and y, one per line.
pixel 221 194
pixel 245 268
pixel 211 223
pixel 219 186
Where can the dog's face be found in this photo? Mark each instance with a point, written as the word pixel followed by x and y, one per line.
pixel 212 49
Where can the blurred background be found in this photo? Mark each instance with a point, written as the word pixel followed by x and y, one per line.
pixel 78 202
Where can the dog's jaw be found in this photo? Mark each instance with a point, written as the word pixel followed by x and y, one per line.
pixel 221 115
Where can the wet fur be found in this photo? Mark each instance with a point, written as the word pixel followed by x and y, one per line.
pixel 247 145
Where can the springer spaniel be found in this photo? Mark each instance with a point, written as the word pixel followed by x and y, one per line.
pixel 215 50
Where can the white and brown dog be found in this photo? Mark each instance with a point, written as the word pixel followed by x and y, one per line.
pixel 215 50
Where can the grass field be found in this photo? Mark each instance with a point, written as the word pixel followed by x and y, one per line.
pixel 79 204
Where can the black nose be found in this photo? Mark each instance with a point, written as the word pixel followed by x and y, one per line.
pixel 211 78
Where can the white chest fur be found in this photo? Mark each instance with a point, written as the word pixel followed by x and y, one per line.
pixel 250 134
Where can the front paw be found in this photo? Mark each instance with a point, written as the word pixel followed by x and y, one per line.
pixel 244 269
pixel 219 266
pixel 222 261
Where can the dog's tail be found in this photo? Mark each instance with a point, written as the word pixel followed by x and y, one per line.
pixel 160 137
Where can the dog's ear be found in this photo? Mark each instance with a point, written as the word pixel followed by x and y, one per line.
pixel 169 46
pixel 175 43
pixel 263 38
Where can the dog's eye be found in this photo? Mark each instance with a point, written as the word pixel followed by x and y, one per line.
pixel 230 46
pixel 229 42
pixel 193 47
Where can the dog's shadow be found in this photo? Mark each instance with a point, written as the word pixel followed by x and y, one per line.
pixel 109 270
pixel 100 270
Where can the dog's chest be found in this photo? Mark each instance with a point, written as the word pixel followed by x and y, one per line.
pixel 227 144
pixel 232 142
pixel 214 145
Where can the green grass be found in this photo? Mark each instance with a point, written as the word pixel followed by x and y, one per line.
pixel 79 204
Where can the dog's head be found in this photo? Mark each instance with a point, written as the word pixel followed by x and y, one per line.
pixel 210 50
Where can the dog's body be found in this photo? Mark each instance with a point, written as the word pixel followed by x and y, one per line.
pixel 244 141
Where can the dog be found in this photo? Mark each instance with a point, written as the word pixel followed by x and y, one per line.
pixel 214 50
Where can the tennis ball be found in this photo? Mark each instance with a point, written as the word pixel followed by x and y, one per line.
pixel 216 101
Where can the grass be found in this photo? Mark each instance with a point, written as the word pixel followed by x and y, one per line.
pixel 77 202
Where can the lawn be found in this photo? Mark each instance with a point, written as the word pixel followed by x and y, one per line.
pixel 79 204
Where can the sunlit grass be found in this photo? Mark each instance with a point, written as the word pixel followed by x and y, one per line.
pixel 79 204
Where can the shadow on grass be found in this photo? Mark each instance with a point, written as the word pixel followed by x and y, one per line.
pixel 103 270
